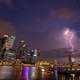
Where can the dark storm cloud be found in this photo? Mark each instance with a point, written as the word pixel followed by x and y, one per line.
pixel 7 3
pixel 65 13
pixel 50 26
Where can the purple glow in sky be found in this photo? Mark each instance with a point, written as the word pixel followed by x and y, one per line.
pixel 40 22
pixel 69 36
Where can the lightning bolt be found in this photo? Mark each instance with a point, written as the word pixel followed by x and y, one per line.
pixel 70 41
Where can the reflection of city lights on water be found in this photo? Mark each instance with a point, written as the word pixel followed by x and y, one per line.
pixel 25 73
pixel 43 72
pixel 6 72
pixel 73 75
pixel 33 72
pixel 28 73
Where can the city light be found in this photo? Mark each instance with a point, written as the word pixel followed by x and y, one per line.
pixel 43 70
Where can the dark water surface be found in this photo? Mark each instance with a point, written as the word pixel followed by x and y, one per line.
pixel 28 73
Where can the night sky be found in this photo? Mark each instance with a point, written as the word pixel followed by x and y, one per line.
pixel 40 22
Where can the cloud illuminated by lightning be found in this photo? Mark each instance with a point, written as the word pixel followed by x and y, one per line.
pixel 69 35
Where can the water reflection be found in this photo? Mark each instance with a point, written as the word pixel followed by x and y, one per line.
pixel 43 72
pixel 31 73
pixel 28 73
pixel 6 72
